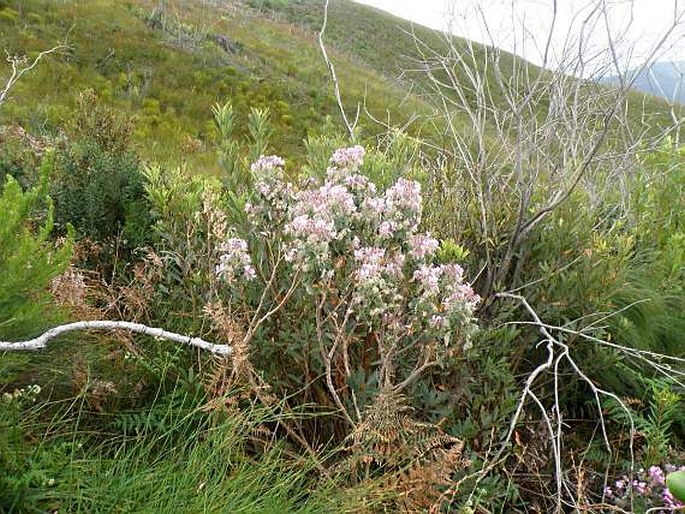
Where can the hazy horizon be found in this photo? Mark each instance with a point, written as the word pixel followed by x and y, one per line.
pixel 522 26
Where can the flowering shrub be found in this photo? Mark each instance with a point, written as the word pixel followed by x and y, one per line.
pixel 648 490
pixel 350 262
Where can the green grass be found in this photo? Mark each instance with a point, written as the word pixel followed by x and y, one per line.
pixel 171 455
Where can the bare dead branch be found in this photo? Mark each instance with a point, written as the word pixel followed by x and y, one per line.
pixel 21 65
pixel 349 125
pixel 41 341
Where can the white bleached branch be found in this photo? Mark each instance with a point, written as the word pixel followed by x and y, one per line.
pixel 41 341
pixel 20 66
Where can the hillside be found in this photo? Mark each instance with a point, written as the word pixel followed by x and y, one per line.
pixel 168 68
pixel 474 304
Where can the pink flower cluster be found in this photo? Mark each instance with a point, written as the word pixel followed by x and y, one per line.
pixel 270 184
pixel 350 158
pixel 422 246
pixel 366 240
pixel 648 488
pixel 267 163
pixel 235 260
pixel 443 298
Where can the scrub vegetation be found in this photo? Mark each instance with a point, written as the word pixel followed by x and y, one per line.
pixel 474 302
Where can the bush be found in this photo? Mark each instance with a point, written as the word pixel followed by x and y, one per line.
pixel 333 288
pixel 28 260
pixel 98 186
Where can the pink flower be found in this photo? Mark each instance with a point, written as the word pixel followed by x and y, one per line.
pixel 436 321
pixel 394 264
pixel 405 194
pixel 267 163
pixel 313 230
pixel 657 475
pixel 348 158
pixel 428 277
pixel 235 256
pixel 387 229
pixel 422 246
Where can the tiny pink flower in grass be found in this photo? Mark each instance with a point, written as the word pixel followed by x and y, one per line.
pixel 657 475
pixel 639 486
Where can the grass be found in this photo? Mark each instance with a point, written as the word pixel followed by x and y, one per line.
pixel 171 455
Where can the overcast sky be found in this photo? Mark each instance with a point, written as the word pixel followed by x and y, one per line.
pixel 637 24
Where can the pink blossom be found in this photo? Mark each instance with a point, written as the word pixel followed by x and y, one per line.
pixel 387 229
pixel 360 184
pixel 422 246
pixel 453 272
pixel 428 277
pixel 370 260
pixel 405 194
pixel 394 264
pixel 374 206
pixel 267 163
pixel 314 230
pixel 348 158
pixel 657 475
pixel 436 321
pixel 235 256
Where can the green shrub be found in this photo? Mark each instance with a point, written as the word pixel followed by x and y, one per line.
pixel 29 259
pixel 9 16
pixel 97 185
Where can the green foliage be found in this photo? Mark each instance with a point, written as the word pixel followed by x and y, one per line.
pixel 654 422
pixel 27 474
pixel 97 186
pixel 51 458
pixel 9 16
pixel 236 163
pixel 180 236
pixel 28 260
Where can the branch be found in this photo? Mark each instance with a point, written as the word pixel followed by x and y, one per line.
pixel 336 86
pixel 19 67
pixel 41 341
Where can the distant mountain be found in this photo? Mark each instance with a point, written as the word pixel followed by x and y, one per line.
pixel 662 79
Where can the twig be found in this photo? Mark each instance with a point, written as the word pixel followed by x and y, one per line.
pixel 334 78
pixel 41 341
pixel 19 68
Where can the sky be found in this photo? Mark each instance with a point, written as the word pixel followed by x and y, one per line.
pixel 522 26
